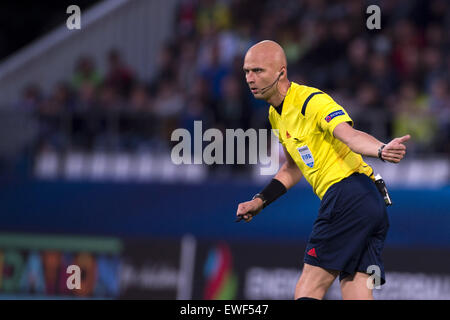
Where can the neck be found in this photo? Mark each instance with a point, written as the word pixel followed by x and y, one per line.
pixel 280 92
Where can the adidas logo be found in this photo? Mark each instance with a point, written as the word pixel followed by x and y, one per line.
pixel 312 253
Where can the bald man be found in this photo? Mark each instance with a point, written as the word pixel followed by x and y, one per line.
pixel 320 144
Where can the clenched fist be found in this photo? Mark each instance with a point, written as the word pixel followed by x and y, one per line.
pixel 395 150
pixel 247 210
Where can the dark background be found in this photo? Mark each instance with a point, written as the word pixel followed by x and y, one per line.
pixel 28 20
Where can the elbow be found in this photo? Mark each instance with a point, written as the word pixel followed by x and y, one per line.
pixel 346 134
pixel 291 166
pixel 295 170
pixel 350 145
pixel 350 140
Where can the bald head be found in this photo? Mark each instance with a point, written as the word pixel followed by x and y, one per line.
pixel 265 68
pixel 269 52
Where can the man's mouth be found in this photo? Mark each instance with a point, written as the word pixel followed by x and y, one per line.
pixel 254 90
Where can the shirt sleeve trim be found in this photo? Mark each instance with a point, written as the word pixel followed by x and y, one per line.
pixel 307 100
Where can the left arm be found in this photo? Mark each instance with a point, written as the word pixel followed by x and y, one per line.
pixel 365 144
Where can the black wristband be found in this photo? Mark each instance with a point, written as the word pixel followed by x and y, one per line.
pixel 271 192
pixel 380 150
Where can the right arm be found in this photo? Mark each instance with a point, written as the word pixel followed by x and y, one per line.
pixel 289 175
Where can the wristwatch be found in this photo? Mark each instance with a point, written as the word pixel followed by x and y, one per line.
pixel 259 195
pixel 380 150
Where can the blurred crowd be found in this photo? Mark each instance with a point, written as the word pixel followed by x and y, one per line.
pixel 395 79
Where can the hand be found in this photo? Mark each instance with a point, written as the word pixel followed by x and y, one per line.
pixel 249 209
pixel 395 150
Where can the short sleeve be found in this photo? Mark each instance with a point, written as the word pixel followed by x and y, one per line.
pixel 328 113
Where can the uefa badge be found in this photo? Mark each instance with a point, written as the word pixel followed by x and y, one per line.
pixel 306 155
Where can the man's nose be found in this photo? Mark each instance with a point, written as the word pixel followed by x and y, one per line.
pixel 249 78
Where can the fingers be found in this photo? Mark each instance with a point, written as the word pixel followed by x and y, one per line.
pixel 397 144
pixel 392 159
pixel 398 155
pixel 404 138
pixel 246 217
pixel 393 156
pixel 394 146
pixel 395 150
pixel 247 210
pixel 397 147
pixel 244 211
pixel 242 208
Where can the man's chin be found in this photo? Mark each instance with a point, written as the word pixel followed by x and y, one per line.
pixel 258 95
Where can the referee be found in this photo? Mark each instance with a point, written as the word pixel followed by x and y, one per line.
pixel 321 145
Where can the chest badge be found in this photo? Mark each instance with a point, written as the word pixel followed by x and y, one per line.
pixel 306 155
pixel 287 134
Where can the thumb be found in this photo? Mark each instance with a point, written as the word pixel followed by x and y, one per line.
pixel 404 138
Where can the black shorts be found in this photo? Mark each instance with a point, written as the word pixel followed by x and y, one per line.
pixel 350 230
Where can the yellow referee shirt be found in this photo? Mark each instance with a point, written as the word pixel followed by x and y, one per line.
pixel 305 128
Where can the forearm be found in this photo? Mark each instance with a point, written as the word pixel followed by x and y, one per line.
pixel 289 175
pixel 364 144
